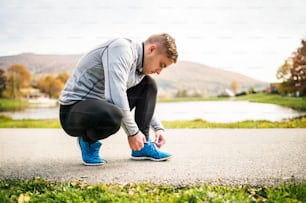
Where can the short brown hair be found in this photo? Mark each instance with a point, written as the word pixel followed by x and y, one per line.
pixel 167 43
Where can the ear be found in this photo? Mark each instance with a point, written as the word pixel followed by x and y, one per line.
pixel 152 47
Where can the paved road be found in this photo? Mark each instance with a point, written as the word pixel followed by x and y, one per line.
pixel 219 156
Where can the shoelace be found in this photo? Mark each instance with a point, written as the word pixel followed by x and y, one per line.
pixel 151 142
pixel 152 145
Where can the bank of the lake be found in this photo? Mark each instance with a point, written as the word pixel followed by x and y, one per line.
pixel 184 122
pixel 297 103
pixel 300 122
pixel 13 104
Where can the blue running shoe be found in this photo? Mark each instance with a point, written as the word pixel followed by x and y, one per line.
pixel 90 153
pixel 150 152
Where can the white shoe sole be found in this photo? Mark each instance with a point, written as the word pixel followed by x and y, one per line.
pixel 93 164
pixel 150 158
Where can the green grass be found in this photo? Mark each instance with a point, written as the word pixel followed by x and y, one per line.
pixel 38 190
pixel 197 123
pixel 28 123
pixel 12 105
pixel 297 103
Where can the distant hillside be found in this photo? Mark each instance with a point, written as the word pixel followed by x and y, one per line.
pixel 39 64
pixel 201 78
pixel 189 76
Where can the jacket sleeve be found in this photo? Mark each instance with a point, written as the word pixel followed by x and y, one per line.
pixel 156 124
pixel 117 62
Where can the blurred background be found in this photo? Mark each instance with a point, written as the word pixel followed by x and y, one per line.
pixel 227 50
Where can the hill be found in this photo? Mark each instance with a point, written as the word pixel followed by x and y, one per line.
pixel 203 79
pixel 188 76
pixel 41 64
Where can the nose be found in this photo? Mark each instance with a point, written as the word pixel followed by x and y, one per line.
pixel 158 71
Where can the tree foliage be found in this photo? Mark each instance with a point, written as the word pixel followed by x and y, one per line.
pixel 63 77
pixel 235 86
pixel 293 72
pixel 2 82
pixel 18 77
pixel 52 85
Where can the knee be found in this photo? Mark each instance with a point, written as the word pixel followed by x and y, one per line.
pixel 115 118
pixel 150 83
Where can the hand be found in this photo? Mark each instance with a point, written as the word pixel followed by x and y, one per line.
pixel 160 138
pixel 137 141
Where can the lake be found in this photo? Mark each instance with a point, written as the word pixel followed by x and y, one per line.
pixel 212 111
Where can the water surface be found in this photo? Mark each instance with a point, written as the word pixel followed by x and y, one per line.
pixel 213 111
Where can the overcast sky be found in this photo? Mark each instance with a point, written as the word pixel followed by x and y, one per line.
pixel 252 37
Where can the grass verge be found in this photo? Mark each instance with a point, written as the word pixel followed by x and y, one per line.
pixel 199 123
pixel 297 103
pixel 12 105
pixel 38 190
pixel 6 122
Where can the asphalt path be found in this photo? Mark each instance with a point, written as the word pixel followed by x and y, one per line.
pixel 218 156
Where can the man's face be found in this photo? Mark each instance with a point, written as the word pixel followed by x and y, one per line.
pixel 154 62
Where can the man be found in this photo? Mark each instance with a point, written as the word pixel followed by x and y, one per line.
pixel 107 83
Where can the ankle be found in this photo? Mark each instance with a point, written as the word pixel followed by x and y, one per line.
pixel 88 140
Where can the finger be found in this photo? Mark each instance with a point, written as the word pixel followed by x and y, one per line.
pixel 140 146
pixel 157 138
pixel 162 142
pixel 158 144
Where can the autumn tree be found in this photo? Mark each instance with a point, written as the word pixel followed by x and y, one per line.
pixel 235 86
pixel 181 93
pixel 287 86
pixel 52 85
pixel 2 82
pixel 293 72
pixel 63 77
pixel 18 77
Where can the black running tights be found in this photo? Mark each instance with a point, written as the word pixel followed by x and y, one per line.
pixel 98 119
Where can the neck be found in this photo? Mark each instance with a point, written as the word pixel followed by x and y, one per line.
pixel 140 52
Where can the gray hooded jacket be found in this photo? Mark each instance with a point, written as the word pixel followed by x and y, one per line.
pixel 105 73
